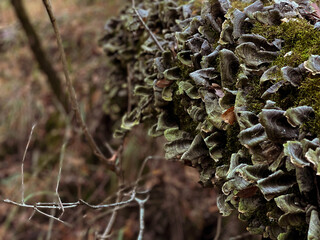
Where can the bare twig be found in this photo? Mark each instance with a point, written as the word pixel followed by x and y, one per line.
pixel 146 27
pixel 133 195
pixel 43 205
pixel 219 225
pixel 72 93
pixel 22 164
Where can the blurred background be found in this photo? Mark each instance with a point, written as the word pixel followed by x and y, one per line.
pixel 178 208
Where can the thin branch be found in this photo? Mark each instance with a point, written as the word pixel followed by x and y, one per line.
pixel 133 194
pixel 43 205
pixel 22 164
pixel 72 93
pixel 146 27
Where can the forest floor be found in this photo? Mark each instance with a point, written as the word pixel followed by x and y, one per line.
pixel 179 208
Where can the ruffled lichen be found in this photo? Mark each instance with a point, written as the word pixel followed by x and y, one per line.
pixel 224 107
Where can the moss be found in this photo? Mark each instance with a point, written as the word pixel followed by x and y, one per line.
pixel 255 104
pixel 184 71
pixel 232 144
pixel 235 4
pixel 186 123
pixel 302 40
pixel 299 37
pixel 285 97
pixel 309 94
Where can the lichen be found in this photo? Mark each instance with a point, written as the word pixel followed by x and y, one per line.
pixel 190 91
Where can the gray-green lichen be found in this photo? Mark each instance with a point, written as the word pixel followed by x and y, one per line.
pixel 236 95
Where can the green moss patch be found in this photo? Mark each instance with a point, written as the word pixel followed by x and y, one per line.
pixel 309 94
pixel 300 39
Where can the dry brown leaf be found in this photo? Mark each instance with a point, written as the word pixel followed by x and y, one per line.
pixel 229 116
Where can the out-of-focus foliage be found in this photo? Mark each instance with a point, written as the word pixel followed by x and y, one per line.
pixel 223 105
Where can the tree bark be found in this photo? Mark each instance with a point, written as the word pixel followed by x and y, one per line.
pixel 36 47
